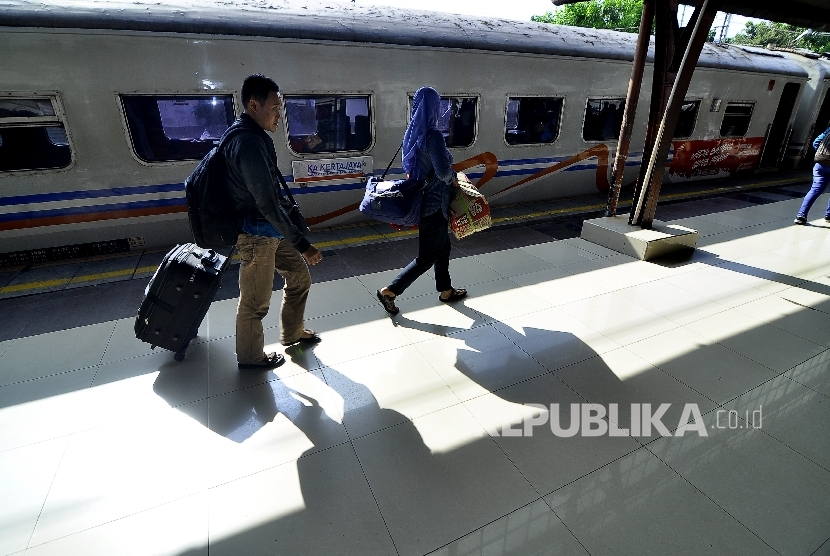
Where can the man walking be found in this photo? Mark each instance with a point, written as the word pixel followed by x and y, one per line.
pixel 269 240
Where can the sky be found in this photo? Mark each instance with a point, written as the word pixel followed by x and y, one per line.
pixel 511 9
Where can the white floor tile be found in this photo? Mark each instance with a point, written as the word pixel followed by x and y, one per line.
pixel 813 373
pixel 220 321
pixel 704 227
pixel 796 319
pixel 476 362
pixel 318 504
pixel 179 527
pixel 27 475
pixel 716 287
pixel 124 344
pixel 592 248
pixel 355 334
pixel 425 317
pixel 558 287
pixel 637 505
pixel 781 497
pixel 713 370
pixel 41 409
pixel 336 296
pixel 770 346
pixel 225 376
pixel 117 470
pixel 548 460
pixel 144 387
pixel 429 499
pixel 512 262
pixel 791 413
pixel 671 302
pixel 620 377
pixel 617 318
pixel 533 529
pixel 265 425
pixel 559 253
pixel 503 299
pixel 386 389
pixel 55 352
pixel 554 338
pixel 422 286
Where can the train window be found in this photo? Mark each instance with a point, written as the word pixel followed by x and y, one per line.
pixel 603 119
pixel 736 117
pixel 457 121
pixel 532 120
pixel 686 122
pixel 32 136
pixel 327 124
pixel 167 128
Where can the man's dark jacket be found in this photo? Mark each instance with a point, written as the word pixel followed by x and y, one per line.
pixel 252 179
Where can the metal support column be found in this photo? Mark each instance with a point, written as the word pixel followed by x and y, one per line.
pixel 642 212
pixel 630 113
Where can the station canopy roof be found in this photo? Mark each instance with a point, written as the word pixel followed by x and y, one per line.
pixel 813 14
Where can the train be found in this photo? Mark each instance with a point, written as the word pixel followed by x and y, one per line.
pixel 106 108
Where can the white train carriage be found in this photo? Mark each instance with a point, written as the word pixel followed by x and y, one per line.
pixel 104 110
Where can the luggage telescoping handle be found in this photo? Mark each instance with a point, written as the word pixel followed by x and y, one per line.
pixel 394 156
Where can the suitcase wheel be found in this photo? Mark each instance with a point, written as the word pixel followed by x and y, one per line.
pixel 179 356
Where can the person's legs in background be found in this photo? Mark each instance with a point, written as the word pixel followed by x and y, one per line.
pixel 821 176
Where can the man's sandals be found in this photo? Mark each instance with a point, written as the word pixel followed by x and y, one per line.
pixel 309 337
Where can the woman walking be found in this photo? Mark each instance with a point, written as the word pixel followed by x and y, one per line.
pixel 425 157
pixel 821 177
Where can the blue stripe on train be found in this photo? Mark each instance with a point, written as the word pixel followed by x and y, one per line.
pixel 51 213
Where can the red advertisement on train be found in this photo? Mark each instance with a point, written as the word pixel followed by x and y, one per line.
pixel 708 157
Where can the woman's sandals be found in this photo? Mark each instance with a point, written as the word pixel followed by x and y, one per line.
pixel 388 303
pixel 455 295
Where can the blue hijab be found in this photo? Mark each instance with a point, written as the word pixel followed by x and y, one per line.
pixel 426 105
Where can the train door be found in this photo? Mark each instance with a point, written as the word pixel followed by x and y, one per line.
pixel 779 131
pixel 822 122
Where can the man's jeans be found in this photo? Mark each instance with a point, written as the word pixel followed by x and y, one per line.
pixel 260 257
pixel 821 178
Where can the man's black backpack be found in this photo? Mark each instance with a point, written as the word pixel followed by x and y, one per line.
pixel 210 208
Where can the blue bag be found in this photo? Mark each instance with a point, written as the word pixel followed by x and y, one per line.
pixel 394 202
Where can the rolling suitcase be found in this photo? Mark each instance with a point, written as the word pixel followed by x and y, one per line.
pixel 178 297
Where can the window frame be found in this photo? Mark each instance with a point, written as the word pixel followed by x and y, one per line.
pixel 58 118
pixel 699 102
pixel 476 96
pixel 623 98
pixel 125 124
pixel 563 98
pixel 328 154
pixel 751 103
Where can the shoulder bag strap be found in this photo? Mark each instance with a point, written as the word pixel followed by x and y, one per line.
pixel 390 162
pixel 284 185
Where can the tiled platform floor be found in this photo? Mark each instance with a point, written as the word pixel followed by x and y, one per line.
pixel 389 436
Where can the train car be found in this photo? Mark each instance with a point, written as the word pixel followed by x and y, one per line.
pixel 813 115
pixel 106 108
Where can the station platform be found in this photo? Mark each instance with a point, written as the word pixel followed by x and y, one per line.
pixel 433 432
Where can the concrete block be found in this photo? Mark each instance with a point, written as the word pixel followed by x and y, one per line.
pixel 615 233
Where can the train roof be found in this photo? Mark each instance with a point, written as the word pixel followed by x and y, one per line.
pixel 338 20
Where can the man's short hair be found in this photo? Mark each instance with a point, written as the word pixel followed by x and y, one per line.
pixel 257 87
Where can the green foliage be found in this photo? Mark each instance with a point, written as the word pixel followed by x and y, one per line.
pixel 622 15
pixel 781 34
